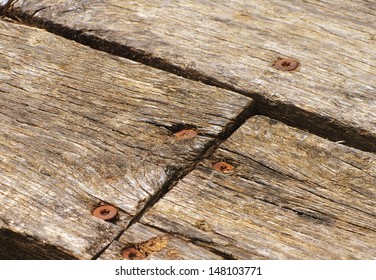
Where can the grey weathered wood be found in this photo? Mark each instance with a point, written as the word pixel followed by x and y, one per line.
pixel 234 43
pixel 80 127
pixel 292 195
pixel 173 247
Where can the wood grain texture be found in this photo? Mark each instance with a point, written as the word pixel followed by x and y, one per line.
pixel 291 195
pixel 169 247
pixel 235 43
pixel 80 127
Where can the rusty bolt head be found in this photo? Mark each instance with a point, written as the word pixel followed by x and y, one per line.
pixel 132 254
pixel 186 134
pixel 223 167
pixel 286 64
pixel 105 212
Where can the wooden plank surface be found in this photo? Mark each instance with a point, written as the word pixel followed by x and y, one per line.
pixel 235 43
pixel 291 195
pixel 143 242
pixel 80 127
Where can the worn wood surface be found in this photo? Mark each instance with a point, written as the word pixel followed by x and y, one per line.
pixel 235 43
pixel 291 195
pixel 80 127
pixel 155 245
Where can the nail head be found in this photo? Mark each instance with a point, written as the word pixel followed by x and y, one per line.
pixel 286 64
pixel 105 212
pixel 186 134
pixel 223 167
pixel 132 254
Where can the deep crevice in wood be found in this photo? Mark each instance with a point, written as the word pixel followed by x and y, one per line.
pixel 288 113
pixel 177 175
pixel 213 250
pixel 101 251
pixel 174 128
pixel 313 216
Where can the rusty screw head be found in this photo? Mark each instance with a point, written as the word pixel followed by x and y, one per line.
pixel 132 254
pixel 186 134
pixel 105 212
pixel 286 64
pixel 223 167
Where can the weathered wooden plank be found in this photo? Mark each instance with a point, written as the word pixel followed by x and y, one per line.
pixel 143 242
pixel 291 195
pixel 80 127
pixel 235 43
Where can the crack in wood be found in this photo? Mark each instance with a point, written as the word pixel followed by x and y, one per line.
pixel 101 251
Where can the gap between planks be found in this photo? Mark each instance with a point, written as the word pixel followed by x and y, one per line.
pixel 312 122
pixel 247 113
